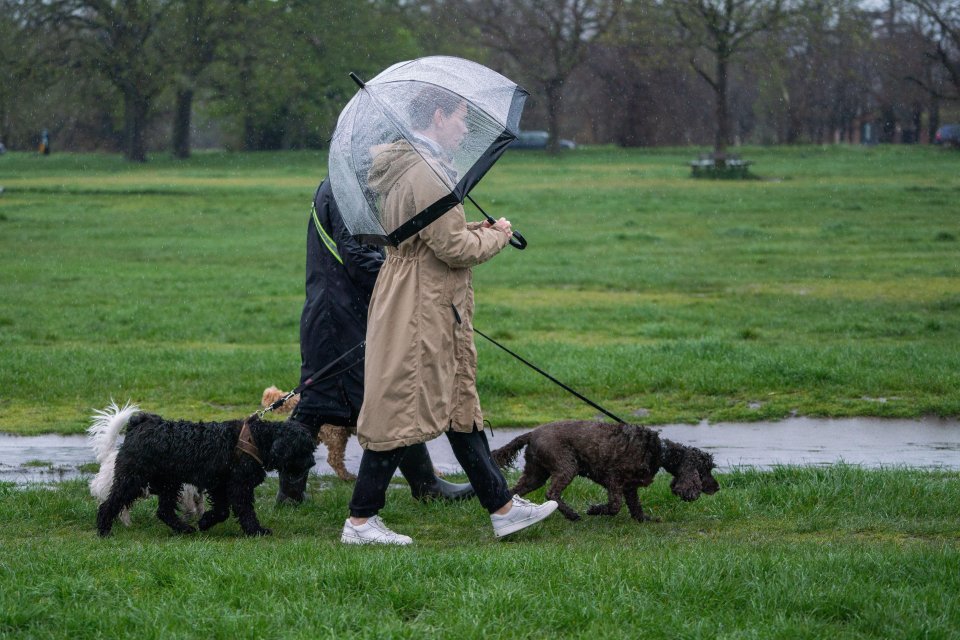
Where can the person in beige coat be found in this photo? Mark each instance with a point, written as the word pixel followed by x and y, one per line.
pixel 421 362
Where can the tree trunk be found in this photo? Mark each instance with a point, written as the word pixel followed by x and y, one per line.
pixel 793 125
pixel 5 135
pixel 934 123
pixel 181 123
pixel 888 128
pixel 723 123
pixel 554 91
pixel 250 135
pixel 917 122
pixel 135 124
pixel 251 138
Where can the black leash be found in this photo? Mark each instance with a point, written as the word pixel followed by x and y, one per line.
pixel 317 376
pixel 548 376
pixel 314 379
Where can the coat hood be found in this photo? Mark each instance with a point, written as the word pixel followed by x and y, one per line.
pixel 390 162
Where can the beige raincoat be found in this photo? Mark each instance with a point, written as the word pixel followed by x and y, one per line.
pixel 421 364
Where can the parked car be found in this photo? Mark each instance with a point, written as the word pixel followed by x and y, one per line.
pixel 538 140
pixel 949 135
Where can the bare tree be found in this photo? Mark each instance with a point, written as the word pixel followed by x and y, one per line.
pixel 118 39
pixel 546 40
pixel 820 72
pixel 943 29
pixel 723 28
pixel 195 29
pixel 18 61
pixel 634 90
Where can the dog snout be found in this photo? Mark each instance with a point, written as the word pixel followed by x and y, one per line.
pixel 710 485
pixel 293 487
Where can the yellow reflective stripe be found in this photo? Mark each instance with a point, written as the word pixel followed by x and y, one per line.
pixel 326 239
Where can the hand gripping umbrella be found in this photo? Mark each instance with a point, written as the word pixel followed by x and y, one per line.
pixel 447 118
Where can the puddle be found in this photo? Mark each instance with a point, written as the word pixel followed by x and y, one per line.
pixel 869 442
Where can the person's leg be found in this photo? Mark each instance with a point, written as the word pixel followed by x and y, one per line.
pixel 364 526
pixel 373 478
pixel 508 514
pixel 473 454
pixel 417 469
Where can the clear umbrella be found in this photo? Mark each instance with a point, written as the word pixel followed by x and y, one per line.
pixel 394 113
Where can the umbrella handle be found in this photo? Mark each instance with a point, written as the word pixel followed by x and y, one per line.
pixel 518 241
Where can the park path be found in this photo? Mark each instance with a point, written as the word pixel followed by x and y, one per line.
pixel 869 442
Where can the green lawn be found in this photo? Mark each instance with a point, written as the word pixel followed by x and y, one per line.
pixel 791 553
pixel 826 286
pixel 830 284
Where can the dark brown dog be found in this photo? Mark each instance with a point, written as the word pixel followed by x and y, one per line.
pixel 620 457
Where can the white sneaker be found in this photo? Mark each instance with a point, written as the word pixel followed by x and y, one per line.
pixel 523 514
pixel 373 531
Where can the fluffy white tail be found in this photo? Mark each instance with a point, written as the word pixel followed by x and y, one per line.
pixel 106 426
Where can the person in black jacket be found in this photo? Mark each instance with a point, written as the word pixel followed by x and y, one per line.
pixel 340 276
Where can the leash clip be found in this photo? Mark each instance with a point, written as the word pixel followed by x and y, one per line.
pixel 276 403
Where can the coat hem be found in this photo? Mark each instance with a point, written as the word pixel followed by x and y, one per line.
pixel 390 445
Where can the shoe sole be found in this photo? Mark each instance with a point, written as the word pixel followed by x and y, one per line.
pixel 523 524
pixel 430 497
pixel 348 539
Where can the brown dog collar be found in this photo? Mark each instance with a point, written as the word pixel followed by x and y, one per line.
pixel 246 445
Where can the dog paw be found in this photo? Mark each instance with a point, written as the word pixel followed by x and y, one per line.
pixel 645 518
pixel 208 520
pixel 262 531
pixel 598 510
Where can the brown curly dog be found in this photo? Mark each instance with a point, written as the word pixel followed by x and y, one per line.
pixel 620 457
pixel 332 437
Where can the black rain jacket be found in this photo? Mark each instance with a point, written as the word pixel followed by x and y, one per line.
pixel 341 273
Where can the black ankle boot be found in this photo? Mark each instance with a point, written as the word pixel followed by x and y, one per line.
pixel 417 469
pixel 440 489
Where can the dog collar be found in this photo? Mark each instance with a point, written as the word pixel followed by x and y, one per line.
pixel 246 445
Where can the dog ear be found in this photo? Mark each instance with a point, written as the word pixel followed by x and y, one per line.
pixel 708 484
pixel 686 485
pixel 641 440
pixel 292 448
pixel 636 435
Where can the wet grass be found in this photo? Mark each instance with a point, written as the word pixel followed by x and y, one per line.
pixel 791 553
pixel 832 282
pixel 37 463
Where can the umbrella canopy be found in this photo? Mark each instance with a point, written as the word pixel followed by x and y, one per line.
pixel 455 115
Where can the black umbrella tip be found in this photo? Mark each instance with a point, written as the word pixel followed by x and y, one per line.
pixel 357 79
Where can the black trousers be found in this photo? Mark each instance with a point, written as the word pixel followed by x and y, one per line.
pixel 416 466
pixel 472 452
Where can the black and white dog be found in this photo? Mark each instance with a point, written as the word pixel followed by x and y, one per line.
pixel 102 435
pixel 227 460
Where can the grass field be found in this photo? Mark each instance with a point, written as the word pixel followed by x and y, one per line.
pixel 829 288
pixel 792 553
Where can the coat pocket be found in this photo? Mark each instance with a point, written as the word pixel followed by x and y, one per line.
pixel 446 287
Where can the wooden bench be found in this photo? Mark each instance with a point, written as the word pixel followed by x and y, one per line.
pixel 707 166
